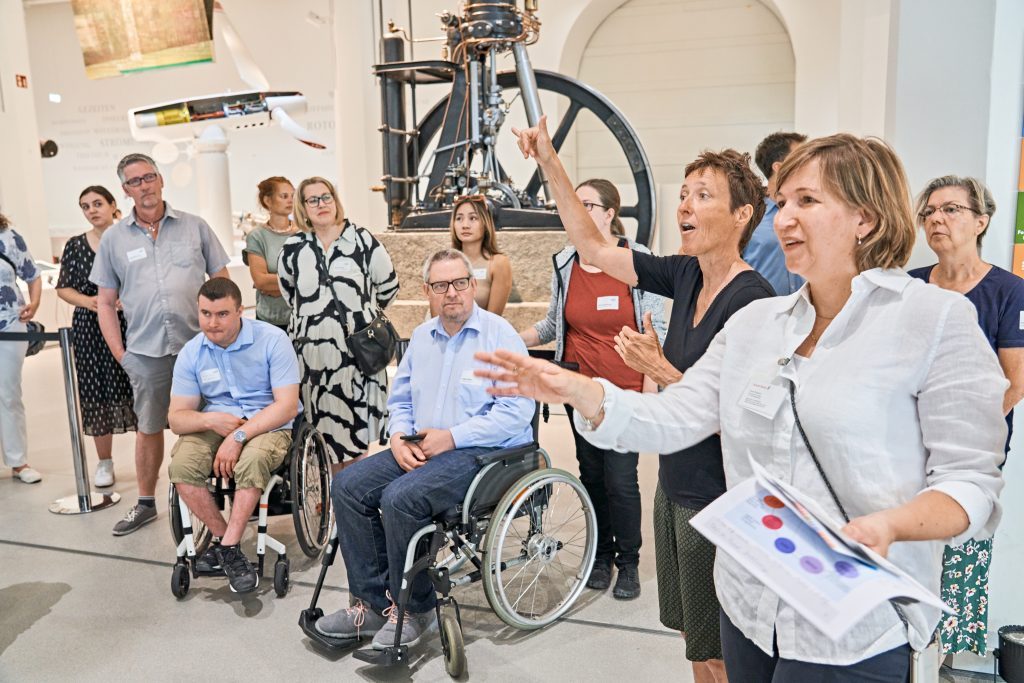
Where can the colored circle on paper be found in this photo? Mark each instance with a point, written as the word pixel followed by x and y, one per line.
pixel 847 569
pixel 784 545
pixel 811 565
pixel 773 502
pixel 772 522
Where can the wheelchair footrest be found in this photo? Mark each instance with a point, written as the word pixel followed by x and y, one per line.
pixel 389 656
pixel 215 572
pixel 309 617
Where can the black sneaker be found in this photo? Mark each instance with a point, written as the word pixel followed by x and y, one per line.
pixel 627 586
pixel 207 563
pixel 600 575
pixel 242 576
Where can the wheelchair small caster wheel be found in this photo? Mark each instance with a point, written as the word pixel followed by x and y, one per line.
pixel 180 580
pixel 281 580
pixel 452 644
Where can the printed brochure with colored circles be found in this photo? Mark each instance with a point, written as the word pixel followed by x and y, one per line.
pixel 798 551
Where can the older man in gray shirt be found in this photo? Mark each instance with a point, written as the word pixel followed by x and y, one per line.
pixel 153 262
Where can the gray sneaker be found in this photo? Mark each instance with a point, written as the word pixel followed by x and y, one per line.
pixel 351 622
pixel 415 626
pixel 138 516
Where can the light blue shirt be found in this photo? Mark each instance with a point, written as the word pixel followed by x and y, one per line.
pixel 240 379
pixel 764 254
pixel 435 387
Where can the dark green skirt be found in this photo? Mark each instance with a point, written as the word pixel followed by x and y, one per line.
pixel 686 582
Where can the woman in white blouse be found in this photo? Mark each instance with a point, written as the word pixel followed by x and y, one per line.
pixel 897 391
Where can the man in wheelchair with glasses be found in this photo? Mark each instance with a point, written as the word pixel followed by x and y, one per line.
pixel 234 396
pixel 440 418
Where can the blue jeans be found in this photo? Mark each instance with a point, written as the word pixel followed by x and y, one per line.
pixel 379 507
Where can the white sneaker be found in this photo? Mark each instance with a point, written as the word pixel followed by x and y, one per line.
pixel 104 474
pixel 27 475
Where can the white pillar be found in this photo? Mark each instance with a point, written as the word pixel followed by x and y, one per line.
pixel 214 184
pixel 357 115
pixel 21 172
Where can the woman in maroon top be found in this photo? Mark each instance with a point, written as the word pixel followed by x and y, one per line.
pixel 588 308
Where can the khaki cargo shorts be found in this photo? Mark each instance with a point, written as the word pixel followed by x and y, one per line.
pixel 193 454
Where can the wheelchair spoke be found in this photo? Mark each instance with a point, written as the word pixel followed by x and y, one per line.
pixel 578 514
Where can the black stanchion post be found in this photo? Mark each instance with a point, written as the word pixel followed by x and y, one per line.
pixel 84 500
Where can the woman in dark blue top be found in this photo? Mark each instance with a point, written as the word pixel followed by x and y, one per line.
pixel 955 213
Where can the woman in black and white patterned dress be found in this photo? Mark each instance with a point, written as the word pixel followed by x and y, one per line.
pixel 347 407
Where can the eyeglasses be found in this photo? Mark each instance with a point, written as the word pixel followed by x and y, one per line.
pixel 948 209
pixel 326 199
pixel 589 206
pixel 460 284
pixel 148 178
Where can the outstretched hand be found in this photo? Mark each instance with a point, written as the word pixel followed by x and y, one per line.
pixel 535 142
pixel 534 378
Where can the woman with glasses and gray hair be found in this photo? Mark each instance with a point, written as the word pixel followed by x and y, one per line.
pixel 335 277
pixel 588 308
pixel 955 213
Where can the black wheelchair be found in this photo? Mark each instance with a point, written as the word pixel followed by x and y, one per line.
pixel 300 487
pixel 526 530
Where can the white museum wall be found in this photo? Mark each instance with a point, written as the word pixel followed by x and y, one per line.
pixel 90 123
pixel 689 76
pixel 22 198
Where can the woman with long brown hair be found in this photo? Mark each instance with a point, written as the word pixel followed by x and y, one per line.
pixel 473 233
pixel 104 390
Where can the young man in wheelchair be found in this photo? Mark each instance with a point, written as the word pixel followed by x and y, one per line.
pixel 440 418
pixel 234 396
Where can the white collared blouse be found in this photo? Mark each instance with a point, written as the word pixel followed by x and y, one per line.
pixel 902 395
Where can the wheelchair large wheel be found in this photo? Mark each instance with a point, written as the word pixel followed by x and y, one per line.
pixel 539 549
pixel 200 534
pixel 310 479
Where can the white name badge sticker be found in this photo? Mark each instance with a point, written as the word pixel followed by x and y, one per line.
pixel 762 397
pixel 211 375
pixel 469 378
pixel 1021 324
pixel 480 273
pixel 136 254
pixel 607 303
pixel 343 266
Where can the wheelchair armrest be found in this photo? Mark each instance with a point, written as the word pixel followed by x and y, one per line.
pixel 507 454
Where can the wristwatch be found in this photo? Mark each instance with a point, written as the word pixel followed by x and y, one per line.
pixel 239 436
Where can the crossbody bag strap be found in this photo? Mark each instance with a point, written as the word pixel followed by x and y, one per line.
pixel 832 491
pixel 814 457
pixel 10 263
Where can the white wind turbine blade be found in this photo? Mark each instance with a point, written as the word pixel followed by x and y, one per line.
pixel 292 127
pixel 244 63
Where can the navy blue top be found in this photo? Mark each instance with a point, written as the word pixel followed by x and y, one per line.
pixel 999 298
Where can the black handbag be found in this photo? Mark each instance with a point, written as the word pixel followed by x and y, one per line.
pixel 32 327
pixel 373 346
